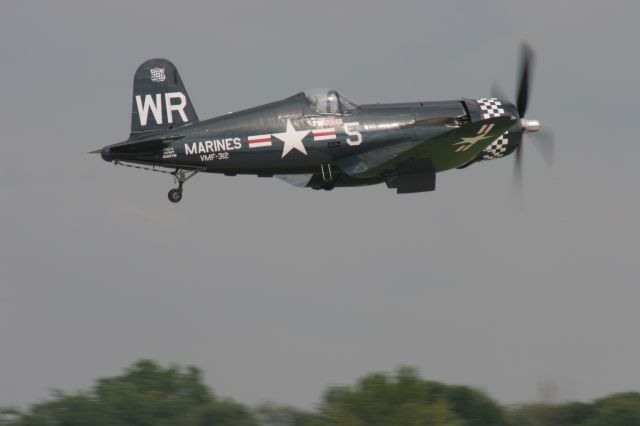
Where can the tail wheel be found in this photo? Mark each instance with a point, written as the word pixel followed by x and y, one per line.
pixel 175 195
pixel 180 176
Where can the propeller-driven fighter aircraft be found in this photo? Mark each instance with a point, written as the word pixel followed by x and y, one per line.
pixel 319 138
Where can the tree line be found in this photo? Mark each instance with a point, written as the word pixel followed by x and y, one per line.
pixel 148 394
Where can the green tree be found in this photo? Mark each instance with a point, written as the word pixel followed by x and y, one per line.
pixel 148 394
pixel 220 413
pixel 145 395
pixel 614 410
pixel 404 399
pixel 621 409
pixel 474 406
pixel 65 410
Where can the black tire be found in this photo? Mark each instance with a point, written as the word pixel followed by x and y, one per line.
pixel 175 195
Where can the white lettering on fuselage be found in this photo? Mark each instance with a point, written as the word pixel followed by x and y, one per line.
pixel 153 104
pixel 169 152
pixel 212 157
pixel 216 145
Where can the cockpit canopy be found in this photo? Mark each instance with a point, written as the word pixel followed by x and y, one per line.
pixel 328 101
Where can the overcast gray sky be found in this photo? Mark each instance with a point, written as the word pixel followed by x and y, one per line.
pixel 278 292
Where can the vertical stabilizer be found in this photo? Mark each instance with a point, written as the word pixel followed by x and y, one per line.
pixel 160 101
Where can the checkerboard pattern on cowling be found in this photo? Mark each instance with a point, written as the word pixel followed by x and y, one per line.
pixel 497 148
pixel 492 107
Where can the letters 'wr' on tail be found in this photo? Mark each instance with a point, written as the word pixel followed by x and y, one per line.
pixel 160 101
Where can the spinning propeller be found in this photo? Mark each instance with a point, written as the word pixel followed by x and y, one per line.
pixel 544 139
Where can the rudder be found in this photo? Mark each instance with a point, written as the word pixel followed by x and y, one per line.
pixel 160 101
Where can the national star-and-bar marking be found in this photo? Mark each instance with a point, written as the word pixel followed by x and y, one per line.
pixel 291 138
pixel 319 135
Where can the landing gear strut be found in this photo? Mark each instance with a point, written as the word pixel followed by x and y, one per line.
pixel 180 176
pixel 327 177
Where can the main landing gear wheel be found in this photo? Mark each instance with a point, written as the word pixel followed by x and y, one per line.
pixel 175 195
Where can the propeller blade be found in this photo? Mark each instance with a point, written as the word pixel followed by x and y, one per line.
pixel 497 92
pixel 97 151
pixel 545 141
pixel 526 64
pixel 517 171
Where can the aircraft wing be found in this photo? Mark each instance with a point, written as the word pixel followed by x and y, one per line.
pixel 448 150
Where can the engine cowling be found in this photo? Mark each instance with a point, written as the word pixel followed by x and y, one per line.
pixel 483 108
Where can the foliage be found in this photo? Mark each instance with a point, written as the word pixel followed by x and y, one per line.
pixel 145 395
pixel 406 399
pixel 148 394
pixel 615 410
pixel 621 409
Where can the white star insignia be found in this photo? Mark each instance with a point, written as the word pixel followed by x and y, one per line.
pixel 292 139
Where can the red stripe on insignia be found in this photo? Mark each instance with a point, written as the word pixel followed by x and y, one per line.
pixel 259 140
pixel 326 134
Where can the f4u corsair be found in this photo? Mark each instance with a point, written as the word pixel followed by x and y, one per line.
pixel 318 138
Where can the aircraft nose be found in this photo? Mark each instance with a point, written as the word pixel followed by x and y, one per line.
pixel 106 153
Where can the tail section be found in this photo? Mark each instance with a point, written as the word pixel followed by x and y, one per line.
pixel 160 101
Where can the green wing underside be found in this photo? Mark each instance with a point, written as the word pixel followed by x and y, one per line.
pixel 446 151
